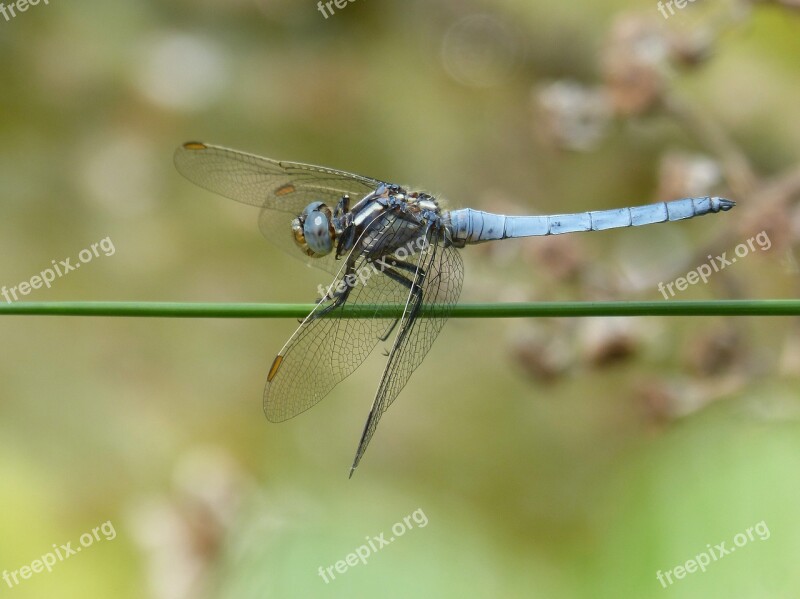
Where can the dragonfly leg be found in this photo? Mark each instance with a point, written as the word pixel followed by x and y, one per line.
pixel 342 207
pixel 406 266
pixel 405 282
pixel 345 242
pixel 338 297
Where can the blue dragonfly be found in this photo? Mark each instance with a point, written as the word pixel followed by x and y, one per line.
pixel 385 245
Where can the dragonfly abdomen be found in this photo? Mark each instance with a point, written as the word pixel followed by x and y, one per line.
pixel 475 226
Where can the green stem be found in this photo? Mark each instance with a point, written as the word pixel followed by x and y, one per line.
pixel 785 307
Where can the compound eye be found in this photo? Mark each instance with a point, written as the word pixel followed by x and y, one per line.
pixel 317 232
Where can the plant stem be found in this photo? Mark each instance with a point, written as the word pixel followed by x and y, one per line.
pixel 785 307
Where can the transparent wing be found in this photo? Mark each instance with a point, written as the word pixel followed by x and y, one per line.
pixel 439 276
pixel 324 351
pixel 281 189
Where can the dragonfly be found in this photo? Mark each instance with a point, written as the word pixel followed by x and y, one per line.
pixel 386 246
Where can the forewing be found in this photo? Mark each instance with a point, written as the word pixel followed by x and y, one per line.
pixel 441 286
pixel 281 189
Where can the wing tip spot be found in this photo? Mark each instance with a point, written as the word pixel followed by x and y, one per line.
pixel 194 145
pixel 276 364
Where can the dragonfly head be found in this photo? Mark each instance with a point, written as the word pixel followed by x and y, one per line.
pixel 313 230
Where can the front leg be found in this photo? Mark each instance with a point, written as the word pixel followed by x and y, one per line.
pixel 339 296
pixel 342 206
pixel 345 243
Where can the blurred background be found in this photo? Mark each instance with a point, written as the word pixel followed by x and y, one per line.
pixel 553 457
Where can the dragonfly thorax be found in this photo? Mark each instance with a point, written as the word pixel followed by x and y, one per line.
pixel 314 231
